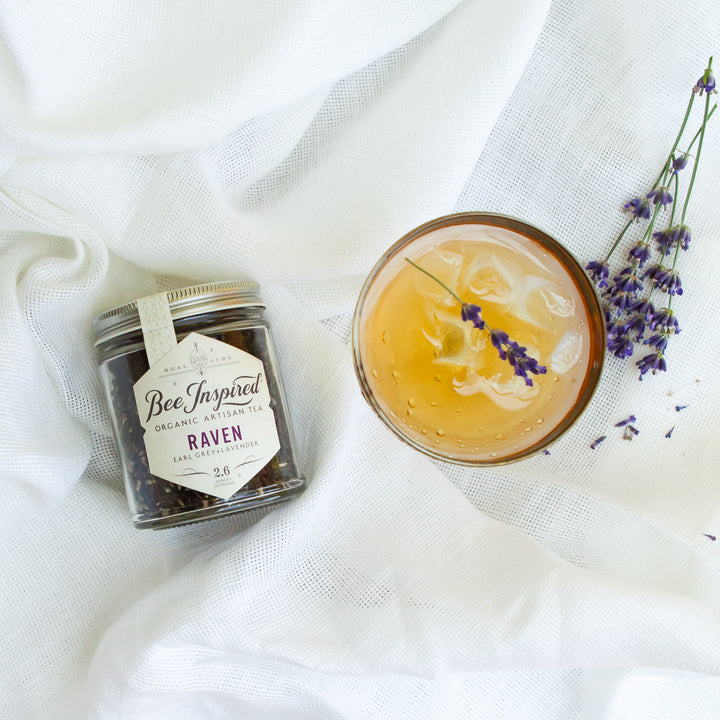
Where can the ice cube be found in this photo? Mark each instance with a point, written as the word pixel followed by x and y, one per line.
pixel 456 342
pixel 567 353
pixel 500 280
pixel 445 264
pixel 558 304
pixel 492 278
pixel 524 300
pixel 512 394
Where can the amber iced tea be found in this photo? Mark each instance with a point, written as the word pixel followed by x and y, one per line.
pixel 437 380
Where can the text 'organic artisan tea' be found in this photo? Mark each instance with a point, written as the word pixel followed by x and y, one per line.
pixel 196 403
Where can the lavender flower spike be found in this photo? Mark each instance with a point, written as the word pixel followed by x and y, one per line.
pixel 499 338
pixel 516 355
pixel 523 364
pixel 599 272
pixel 643 307
pixel 510 351
pixel 639 208
pixel 659 341
pixel 660 196
pixel 620 346
pixel 655 362
pixel 472 313
pixel 636 326
pixel 640 252
pixel 669 282
pixel 627 282
pixel 664 241
pixel 680 234
pixel 679 163
pixel 706 82
pixel 664 320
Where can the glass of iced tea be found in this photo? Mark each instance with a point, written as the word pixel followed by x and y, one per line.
pixel 437 380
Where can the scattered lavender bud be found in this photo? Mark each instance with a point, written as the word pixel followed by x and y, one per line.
pixel 627 421
pixel 597 442
pixel 629 432
pixel 669 433
pixel 678 408
pixel 712 537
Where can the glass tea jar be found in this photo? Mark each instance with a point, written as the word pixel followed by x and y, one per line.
pixel 197 406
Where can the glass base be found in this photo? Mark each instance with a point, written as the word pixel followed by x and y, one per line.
pixel 251 501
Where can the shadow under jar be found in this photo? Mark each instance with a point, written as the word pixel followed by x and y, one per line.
pixel 228 312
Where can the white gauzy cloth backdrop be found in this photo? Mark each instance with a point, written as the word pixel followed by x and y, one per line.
pixel 147 145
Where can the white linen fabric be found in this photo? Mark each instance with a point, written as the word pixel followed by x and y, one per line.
pixel 150 145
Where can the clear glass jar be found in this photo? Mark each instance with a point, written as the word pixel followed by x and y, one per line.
pixel 232 314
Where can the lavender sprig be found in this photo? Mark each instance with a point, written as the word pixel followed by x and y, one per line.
pixel 508 350
pixel 629 297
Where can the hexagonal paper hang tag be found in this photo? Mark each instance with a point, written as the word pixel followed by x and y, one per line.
pixel 205 409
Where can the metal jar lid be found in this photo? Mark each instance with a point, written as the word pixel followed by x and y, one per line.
pixel 184 302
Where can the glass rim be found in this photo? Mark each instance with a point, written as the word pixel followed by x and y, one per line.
pixel 585 288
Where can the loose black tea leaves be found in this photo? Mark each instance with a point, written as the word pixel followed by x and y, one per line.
pixel 211 412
